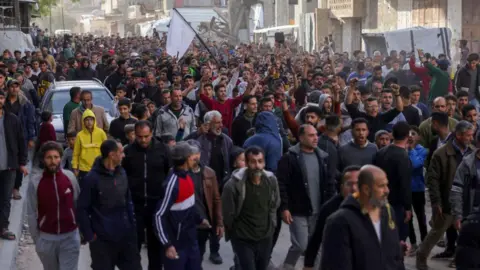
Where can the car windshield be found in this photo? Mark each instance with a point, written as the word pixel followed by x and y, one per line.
pixel 59 98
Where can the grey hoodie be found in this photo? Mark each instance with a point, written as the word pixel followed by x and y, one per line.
pixel 233 197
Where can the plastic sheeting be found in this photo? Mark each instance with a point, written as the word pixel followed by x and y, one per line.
pixel 15 40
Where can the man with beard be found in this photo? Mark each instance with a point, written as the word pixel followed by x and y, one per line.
pixel 150 91
pixel 470 114
pixel 427 132
pixel 146 163
pixel 349 241
pixel 45 79
pixel 348 186
pixel 394 160
pixel 359 151
pixel 382 139
pixel 440 176
pixel 50 211
pixel 250 200
pixel 116 78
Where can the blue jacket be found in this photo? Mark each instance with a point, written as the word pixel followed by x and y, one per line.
pixel 177 218
pixel 268 138
pixel 417 157
pixel 104 207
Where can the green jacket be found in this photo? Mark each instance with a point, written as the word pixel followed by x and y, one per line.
pixel 439 83
pixel 426 130
pixel 67 111
pixel 233 197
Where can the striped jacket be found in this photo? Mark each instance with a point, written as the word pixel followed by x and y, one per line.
pixel 176 218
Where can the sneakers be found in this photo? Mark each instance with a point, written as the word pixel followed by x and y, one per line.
pixel 215 258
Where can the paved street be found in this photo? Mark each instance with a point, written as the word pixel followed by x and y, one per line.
pixel 28 260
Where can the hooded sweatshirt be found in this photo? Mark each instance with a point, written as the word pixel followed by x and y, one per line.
pixel 268 138
pixel 87 144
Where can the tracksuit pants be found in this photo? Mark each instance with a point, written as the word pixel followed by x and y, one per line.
pixel 58 252
pixel 188 259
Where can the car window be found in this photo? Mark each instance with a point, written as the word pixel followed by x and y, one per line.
pixel 58 99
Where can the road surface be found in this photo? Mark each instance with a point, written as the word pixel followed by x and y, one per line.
pixel 28 260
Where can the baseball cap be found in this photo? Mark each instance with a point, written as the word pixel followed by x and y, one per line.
pixel 11 82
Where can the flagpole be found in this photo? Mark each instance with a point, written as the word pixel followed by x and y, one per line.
pixel 196 34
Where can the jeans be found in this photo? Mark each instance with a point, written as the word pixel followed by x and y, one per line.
pixel 188 259
pixel 301 229
pixel 123 254
pixel 418 204
pixel 146 232
pixel 7 182
pixel 252 255
pixel 61 253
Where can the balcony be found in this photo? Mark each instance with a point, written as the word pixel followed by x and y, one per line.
pixel 347 8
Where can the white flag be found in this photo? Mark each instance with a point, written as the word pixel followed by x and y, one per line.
pixel 180 35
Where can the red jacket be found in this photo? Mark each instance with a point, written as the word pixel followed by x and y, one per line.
pixel 421 72
pixel 46 133
pixel 227 109
pixel 55 203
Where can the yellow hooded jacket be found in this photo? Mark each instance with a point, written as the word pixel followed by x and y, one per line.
pixel 87 145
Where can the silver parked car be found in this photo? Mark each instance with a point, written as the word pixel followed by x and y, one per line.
pixel 59 95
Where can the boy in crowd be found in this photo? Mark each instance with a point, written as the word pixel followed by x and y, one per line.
pixel 129 130
pixel 68 153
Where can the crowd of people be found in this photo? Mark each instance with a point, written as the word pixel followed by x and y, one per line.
pixel 236 141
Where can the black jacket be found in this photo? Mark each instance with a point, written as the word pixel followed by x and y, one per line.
pixel 117 128
pixel 374 123
pixel 151 92
pixel 155 159
pixel 328 145
pixel 15 139
pixel 398 167
pixel 462 80
pixel 316 239
pixel 104 207
pixel 83 73
pixel 240 126
pixel 293 183
pixel 351 243
pixel 113 80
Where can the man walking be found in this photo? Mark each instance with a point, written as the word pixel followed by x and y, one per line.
pixel 50 212
pixel 177 218
pixel 250 200
pixel 348 186
pixel 19 105
pixel 440 175
pixel 362 235
pixel 305 183
pixel 147 162
pixel 395 162
pixel 207 199
pixel 105 212
pixel 13 156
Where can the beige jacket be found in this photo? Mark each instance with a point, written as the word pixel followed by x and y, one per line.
pixel 75 123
